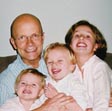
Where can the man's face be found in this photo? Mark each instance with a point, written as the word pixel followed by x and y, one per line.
pixel 28 39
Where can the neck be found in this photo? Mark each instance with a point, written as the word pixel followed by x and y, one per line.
pixel 82 59
pixel 34 63
pixel 26 103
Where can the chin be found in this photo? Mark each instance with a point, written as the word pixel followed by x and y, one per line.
pixel 29 59
pixel 32 57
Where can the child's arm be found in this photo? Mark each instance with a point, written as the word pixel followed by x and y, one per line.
pixel 110 102
pixel 89 109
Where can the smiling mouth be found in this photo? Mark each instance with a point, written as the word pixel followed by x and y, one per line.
pixel 81 44
pixel 26 92
pixel 56 71
pixel 30 50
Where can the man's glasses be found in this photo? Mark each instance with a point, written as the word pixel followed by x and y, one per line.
pixel 24 38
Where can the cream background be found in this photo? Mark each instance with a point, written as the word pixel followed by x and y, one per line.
pixel 56 16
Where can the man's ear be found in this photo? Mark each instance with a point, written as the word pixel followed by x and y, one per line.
pixel 12 42
pixel 43 37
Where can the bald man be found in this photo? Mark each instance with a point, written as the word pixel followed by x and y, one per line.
pixel 27 39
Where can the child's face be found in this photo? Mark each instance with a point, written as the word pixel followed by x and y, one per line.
pixel 59 64
pixel 83 41
pixel 29 87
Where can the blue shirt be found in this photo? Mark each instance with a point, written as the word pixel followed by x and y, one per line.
pixel 8 77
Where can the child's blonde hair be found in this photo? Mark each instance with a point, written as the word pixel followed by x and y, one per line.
pixel 58 45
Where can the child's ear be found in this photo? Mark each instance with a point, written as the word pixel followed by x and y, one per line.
pixel 96 47
pixel 41 92
pixel 72 68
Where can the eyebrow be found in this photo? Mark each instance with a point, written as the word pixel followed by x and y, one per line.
pixel 84 31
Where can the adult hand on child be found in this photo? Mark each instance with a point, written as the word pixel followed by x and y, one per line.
pixel 50 91
pixel 55 103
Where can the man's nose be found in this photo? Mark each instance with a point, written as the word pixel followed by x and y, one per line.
pixel 29 40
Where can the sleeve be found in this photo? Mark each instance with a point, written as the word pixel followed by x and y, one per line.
pixel 101 87
pixel 5 86
pixel 3 93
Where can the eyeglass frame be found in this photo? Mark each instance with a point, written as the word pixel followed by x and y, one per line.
pixel 24 38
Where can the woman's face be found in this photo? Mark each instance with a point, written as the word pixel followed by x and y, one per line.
pixel 83 41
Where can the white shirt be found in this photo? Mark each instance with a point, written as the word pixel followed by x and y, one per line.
pixel 96 78
pixel 14 104
pixel 72 86
pixel 110 109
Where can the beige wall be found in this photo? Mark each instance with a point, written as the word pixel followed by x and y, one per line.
pixel 56 17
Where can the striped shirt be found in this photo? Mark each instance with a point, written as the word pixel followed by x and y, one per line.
pixel 8 77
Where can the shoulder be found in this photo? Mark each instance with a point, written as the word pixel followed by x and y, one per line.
pixel 95 63
pixel 10 104
pixel 5 61
pixel 42 67
pixel 73 80
pixel 100 69
pixel 11 71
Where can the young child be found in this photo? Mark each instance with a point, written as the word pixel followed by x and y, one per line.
pixel 89 45
pixel 29 86
pixel 60 63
